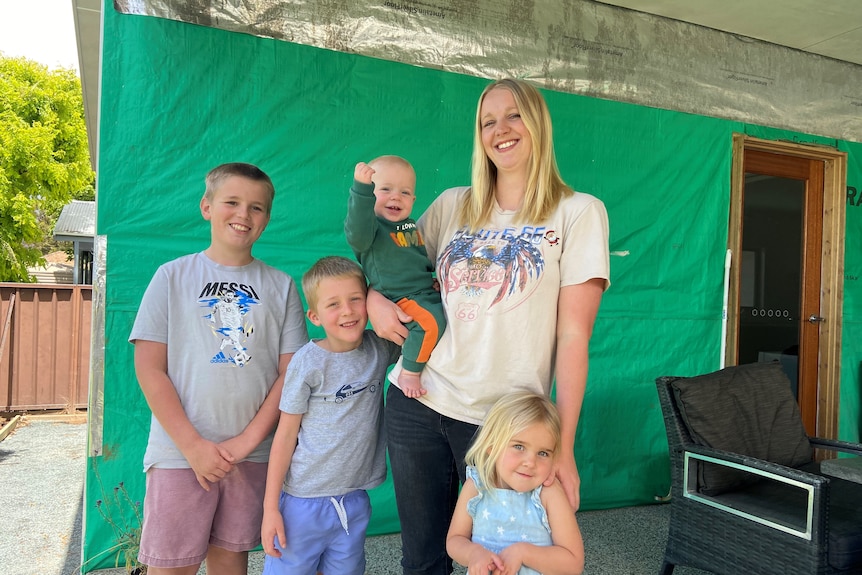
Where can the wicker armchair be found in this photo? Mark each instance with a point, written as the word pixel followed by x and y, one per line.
pixel 765 517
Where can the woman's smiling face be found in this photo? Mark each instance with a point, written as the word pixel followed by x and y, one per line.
pixel 505 138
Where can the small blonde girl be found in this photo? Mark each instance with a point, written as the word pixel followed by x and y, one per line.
pixel 506 521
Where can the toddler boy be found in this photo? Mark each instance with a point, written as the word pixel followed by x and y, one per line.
pixel 390 248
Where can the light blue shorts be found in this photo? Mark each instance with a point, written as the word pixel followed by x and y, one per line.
pixel 325 534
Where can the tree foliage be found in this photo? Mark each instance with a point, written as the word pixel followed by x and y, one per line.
pixel 44 158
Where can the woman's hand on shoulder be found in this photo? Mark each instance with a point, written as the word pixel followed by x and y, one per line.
pixel 570 480
pixel 387 318
pixel 566 477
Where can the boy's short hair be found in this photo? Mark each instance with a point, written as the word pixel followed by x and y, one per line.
pixel 329 267
pixel 216 177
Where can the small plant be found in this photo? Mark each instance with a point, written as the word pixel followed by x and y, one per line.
pixel 127 532
pixel 114 509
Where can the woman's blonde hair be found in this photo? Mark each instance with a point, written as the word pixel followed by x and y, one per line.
pixel 545 187
pixel 510 415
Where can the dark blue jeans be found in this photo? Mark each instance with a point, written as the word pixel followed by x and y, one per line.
pixel 426 454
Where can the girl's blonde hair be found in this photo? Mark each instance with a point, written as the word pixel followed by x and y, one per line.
pixel 510 415
pixel 545 187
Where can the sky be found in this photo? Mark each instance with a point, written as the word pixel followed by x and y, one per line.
pixel 41 30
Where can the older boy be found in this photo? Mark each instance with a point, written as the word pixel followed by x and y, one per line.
pixel 392 252
pixel 213 337
pixel 328 448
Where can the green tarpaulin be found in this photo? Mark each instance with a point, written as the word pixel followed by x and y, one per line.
pixel 178 99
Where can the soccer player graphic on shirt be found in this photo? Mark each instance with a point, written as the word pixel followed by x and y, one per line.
pixel 229 309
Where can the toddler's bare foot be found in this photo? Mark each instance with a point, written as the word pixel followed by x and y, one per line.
pixel 410 385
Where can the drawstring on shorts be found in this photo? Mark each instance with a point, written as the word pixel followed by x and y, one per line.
pixel 341 511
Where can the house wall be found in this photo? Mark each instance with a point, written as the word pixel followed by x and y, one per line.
pixel 52 274
pixel 178 99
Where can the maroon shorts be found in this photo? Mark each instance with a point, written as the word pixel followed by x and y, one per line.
pixel 181 519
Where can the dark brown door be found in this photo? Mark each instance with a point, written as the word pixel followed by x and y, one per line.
pixel 779 291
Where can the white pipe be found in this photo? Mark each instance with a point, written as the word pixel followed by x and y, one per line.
pixel 723 352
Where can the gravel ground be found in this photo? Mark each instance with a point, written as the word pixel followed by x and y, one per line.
pixel 42 467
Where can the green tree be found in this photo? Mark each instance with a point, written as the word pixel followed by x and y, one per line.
pixel 44 159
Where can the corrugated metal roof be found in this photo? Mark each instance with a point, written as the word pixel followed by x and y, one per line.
pixel 77 220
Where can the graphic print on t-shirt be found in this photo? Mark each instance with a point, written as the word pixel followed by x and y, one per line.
pixel 505 263
pixel 228 320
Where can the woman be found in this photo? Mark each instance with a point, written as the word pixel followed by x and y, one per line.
pixel 522 262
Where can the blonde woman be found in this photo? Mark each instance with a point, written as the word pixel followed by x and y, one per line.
pixel 522 262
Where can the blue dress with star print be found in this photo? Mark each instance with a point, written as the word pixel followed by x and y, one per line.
pixel 502 517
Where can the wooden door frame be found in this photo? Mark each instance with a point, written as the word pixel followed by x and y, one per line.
pixel 810 172
pixel 831 269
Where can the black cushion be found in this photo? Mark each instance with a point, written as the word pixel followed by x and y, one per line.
pixel 746 409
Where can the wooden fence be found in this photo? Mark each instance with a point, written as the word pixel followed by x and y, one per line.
pixel 44 346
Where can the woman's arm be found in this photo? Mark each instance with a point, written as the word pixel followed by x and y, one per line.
pixel 459 541
pixel 576 315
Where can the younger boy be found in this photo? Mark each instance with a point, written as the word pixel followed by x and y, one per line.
pixel 213 338
pixel 328 447
pixel 390 248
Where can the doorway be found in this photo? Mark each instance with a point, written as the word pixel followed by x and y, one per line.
pixel 786 236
